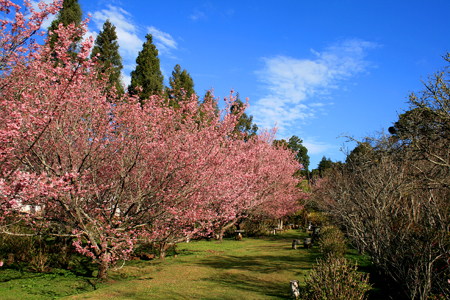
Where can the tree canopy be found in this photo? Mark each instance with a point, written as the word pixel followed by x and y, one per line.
pixel 392 195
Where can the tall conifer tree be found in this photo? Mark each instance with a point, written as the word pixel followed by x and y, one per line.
pixel 107 47
pixel 181 85
pixel 70 13
pixel 148 73
pixel 245 126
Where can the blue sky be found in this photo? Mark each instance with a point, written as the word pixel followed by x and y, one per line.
pixel 317 69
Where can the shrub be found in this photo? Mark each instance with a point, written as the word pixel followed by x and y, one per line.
pixel 336 278
pixel 18 246
pixel 332 242
pixel 257 227
pixel 40 258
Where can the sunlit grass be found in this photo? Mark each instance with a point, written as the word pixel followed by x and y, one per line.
pixel 254 268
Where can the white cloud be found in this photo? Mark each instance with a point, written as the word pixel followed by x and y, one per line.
pixel 126 80
pixel 197 15
pixel 164 42
pixel 317 105
pixel 292 82
pixel 130 43
pixel 127 36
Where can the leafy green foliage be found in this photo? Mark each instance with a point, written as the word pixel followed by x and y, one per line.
pixel 106 49
pixel 363 155
pixel 147 74
pixel 295 144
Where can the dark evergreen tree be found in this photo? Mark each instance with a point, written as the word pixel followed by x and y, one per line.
pixel 245 127
pixel 110 61
pixel 148 74
pixel 301 152
pixel 295 144
pixel 181 86
pixel 69 14
pixel 413 124
pixel 325 167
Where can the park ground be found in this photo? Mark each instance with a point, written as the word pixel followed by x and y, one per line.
pixel 254 268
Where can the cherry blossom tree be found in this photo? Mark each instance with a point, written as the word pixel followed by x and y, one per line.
pixel 268 189
pixel 17 46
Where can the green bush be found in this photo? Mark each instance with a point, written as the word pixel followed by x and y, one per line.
pixel 332 242
pixel 336 278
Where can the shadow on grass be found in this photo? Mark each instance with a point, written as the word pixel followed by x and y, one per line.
pixel 264 264
pixel 259 266
pixel 18 280
pixel 252 284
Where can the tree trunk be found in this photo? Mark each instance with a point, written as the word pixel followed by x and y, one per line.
pixel 103 267
pixel 280 223
pixel 305 215
pixel 163 246
pixel 221 233
pixel 223 229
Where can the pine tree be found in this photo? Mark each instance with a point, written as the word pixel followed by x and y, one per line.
pixel 181 86
pixel 107 47
pixel 69 14
pixel 148 73
pixel 244 127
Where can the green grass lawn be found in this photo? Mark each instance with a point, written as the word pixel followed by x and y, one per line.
pixel 254 268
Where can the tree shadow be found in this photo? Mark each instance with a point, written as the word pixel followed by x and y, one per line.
pixel 264 264
pixel 298 263
pixel 253 284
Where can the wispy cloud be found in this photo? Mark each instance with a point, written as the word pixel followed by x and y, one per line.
pixel 315 147
pixel 164 42
pixel 291 83
pixel 197 15
pixel 127 35
pixel 127 32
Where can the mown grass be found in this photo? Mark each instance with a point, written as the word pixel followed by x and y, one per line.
pixel 254 268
